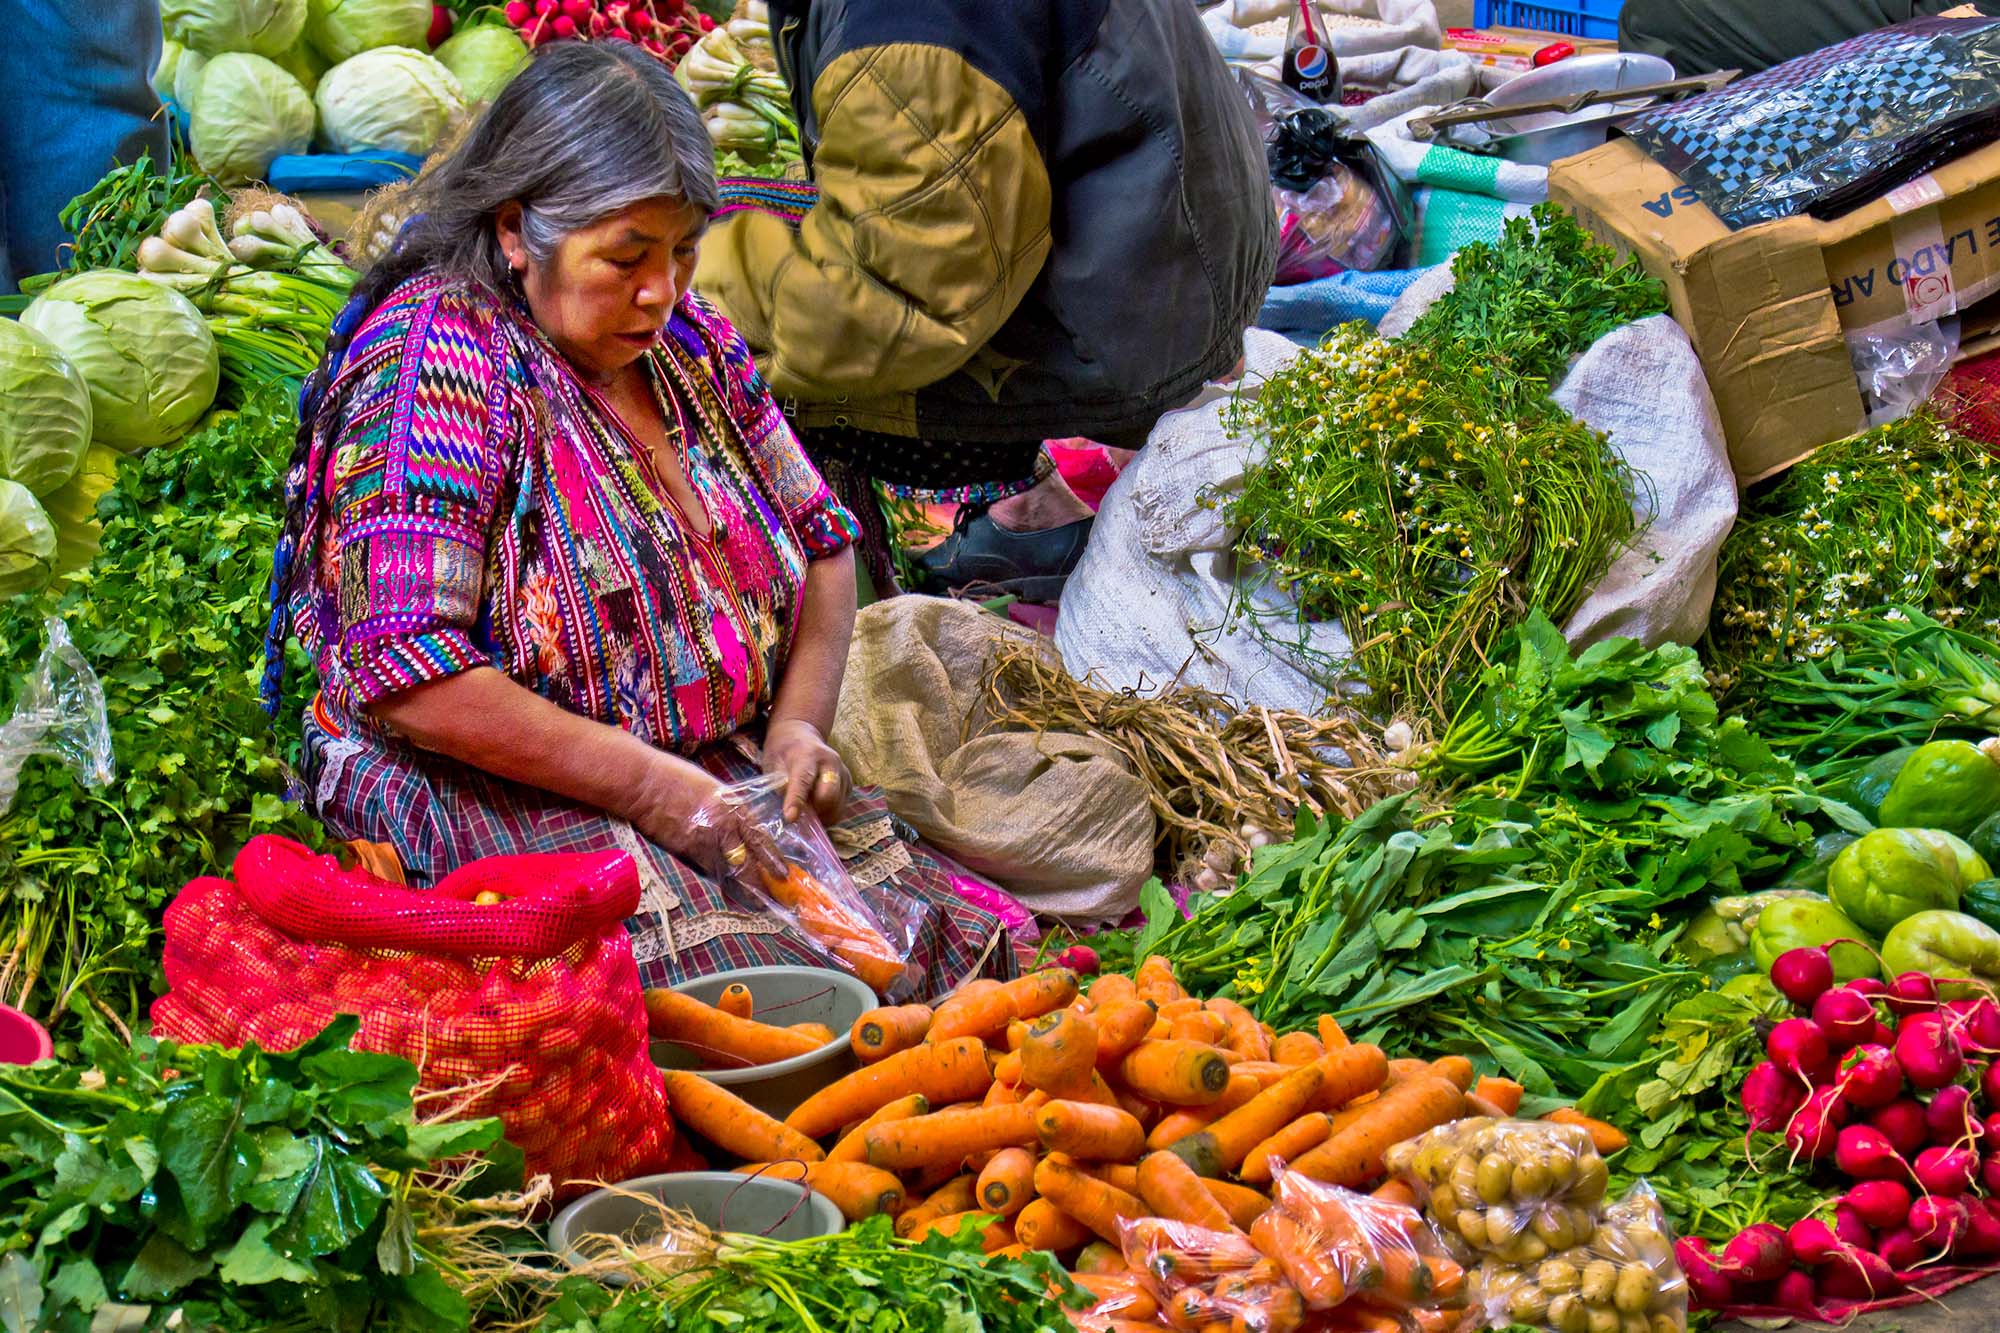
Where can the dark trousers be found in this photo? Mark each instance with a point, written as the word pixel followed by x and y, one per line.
pixel 1701 36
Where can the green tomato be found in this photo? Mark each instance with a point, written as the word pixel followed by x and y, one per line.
pixel 1944 944
pixel 1803 923
pixel 1949 785
pixel 1893 873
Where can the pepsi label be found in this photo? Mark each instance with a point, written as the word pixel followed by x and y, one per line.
pixel 1311 70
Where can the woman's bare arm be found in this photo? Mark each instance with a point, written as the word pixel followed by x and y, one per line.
pixel 810 690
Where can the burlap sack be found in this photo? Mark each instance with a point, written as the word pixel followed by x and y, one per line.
pixel 1058 820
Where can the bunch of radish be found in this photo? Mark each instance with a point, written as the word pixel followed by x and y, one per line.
pixel 666 28
pixel 1908 1115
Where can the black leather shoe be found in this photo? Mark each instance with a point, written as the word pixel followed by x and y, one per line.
pixel 981 555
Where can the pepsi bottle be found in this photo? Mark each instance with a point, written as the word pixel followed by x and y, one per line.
pixel 1309 67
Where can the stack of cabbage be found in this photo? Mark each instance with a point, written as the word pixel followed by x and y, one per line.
pixel 262 78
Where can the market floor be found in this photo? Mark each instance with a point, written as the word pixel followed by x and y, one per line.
pixel 1973 1309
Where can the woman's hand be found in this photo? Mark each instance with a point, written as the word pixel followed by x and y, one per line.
pixel 814 774
pixel 679 807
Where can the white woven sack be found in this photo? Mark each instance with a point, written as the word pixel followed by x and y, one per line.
pixel 1396 23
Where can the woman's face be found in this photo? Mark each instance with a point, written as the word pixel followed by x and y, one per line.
pixel 603 295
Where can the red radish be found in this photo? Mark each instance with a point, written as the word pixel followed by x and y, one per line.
pixel 1882 1034
pixel 1912 993
pixel 518 13
pixel 1846 1016
pixel 620 35
pixel 1079 958
pixel 1812 1241
pixel 1797 1046
pixel 1989 1092
pixel 1858 1275
pixel 1850 1230
pixel 1802 975
pixel 600 26
pixel 654 46
pixel 1989 1128
pixel 1925 1050
pixel 1813 1132
pixel 1770 1097
pixel 1982 1020
pixel 1869 986
pixel 1869 1077
pixel 641 23
pixel 563 26
pixel 1947 1171
pixel 1862 1153
pixel 546 8
pixel 1902 1123
pixel 1757 1254
pixel 440 26
pixel 1989 1173
pixel 1936 1222
pixel 1796 1292
pixel 1882 1204
pixel 1708 1287
pixel 706 23
pixel 1902 1251
pixel 1949 1117
pixel 578 11
pixel 1982 1229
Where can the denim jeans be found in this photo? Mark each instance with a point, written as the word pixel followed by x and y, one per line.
pixel 76 99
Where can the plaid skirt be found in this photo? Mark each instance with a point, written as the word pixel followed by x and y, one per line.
pixel 439 814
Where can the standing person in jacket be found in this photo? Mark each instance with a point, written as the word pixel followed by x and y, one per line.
pixel 1033 220
pixel 1700 36
pixel 74 82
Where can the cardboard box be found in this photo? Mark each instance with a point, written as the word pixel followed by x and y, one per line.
pixel 1771 308
pixel 1514 48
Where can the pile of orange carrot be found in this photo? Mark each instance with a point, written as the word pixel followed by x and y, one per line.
pixel 1049 1115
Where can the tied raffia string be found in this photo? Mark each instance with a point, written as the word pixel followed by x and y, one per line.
pixel 1215 773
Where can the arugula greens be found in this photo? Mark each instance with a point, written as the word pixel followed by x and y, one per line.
pixel 203 1188
pixel 171 615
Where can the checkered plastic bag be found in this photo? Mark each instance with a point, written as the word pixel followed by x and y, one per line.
pixel 512 980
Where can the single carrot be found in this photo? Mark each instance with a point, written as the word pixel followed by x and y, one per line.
pixel 1403 1068
pixel 1098 1257
pixel 1243 1204
pixel 948 1136
pixel 1040 992
pixel 857 1189
pixel 1059 1053
pixel 976 986
pixel 1123 1293
pixel 1121 1025
pixel 1187 1120
pixel 1266 1072
pixel 1035 1099
pixel 720 1039
pixel 880 1033
pixel 1097 1205
pixel 1008 1068
pixel 981 1014
pixel 1016 1033
pixel 1297 1048
pixel 1201 1025
pixel 1395 1190
pixel 853 1145
pixel 1353 1156
pixel 1330 1035
pixel 1007 1182
pixel 1608 1138
pixel 1089 1132
pixel 732 1124
pixel 1245 1035
pixel 1043 1226
pixel 1456 1068
pixel 735 1000
pixel 1301 1135
pixel 943 1071
pixel 819 1032
pixel 1181 1073
pixel 1141 1109
pixel 1113 987
pixel 957 1195
pixel 1476 1105
pixel 1156 982
pixel 1342 1073
pixel 1171 1189
pixel 1095 1089
pixel 1172 1010
pixel 1002 1094
pixel 995 1233
pixel 1504 1093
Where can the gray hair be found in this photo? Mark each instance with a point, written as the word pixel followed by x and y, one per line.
pixel 585 130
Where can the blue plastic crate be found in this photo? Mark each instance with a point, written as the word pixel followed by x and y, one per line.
pixel 1571 18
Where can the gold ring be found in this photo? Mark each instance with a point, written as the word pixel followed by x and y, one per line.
pixel 828 775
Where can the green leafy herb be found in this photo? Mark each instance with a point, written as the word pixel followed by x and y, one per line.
pixel 110 219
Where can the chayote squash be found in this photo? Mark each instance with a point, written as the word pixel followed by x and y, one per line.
pixel 1867 789
pixel 1892 873
pixel 1982 902
pixel 1944 944
pixel 1986 839
pixel 1803 923
pixel 1949 785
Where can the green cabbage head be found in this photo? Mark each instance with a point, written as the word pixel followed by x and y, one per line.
pixel 483 58
pixel 392 98
pixel 143 350
pixel 342 29
pixel 27 541
pixel 247 112
pixel 46 425
pixel 212 27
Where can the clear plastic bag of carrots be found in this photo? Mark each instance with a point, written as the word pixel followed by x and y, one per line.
pixel 1364 1255
pixel 1202 1279
pixel 791 871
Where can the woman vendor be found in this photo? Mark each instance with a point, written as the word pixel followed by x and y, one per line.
pixel 559 560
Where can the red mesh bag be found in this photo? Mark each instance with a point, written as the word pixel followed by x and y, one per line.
pixel 534 998
pixel 1970 395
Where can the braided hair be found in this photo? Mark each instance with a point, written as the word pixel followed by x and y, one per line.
pixel 585 130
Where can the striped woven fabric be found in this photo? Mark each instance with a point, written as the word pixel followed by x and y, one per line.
pixel 790 200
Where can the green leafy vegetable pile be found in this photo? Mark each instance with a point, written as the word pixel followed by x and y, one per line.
pixel 1426 492
pixel 248 1190
pixel 171 615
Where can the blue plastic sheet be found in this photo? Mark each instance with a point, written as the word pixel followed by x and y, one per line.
pixel 330 173
pixel 1306 312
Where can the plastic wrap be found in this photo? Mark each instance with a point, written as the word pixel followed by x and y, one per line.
pixel 791 872
pixel 1625 1277
pixel 1337 1246
pixel 1899 369
pixel 1211 1279
pixel 1340 206
pixel 59 712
